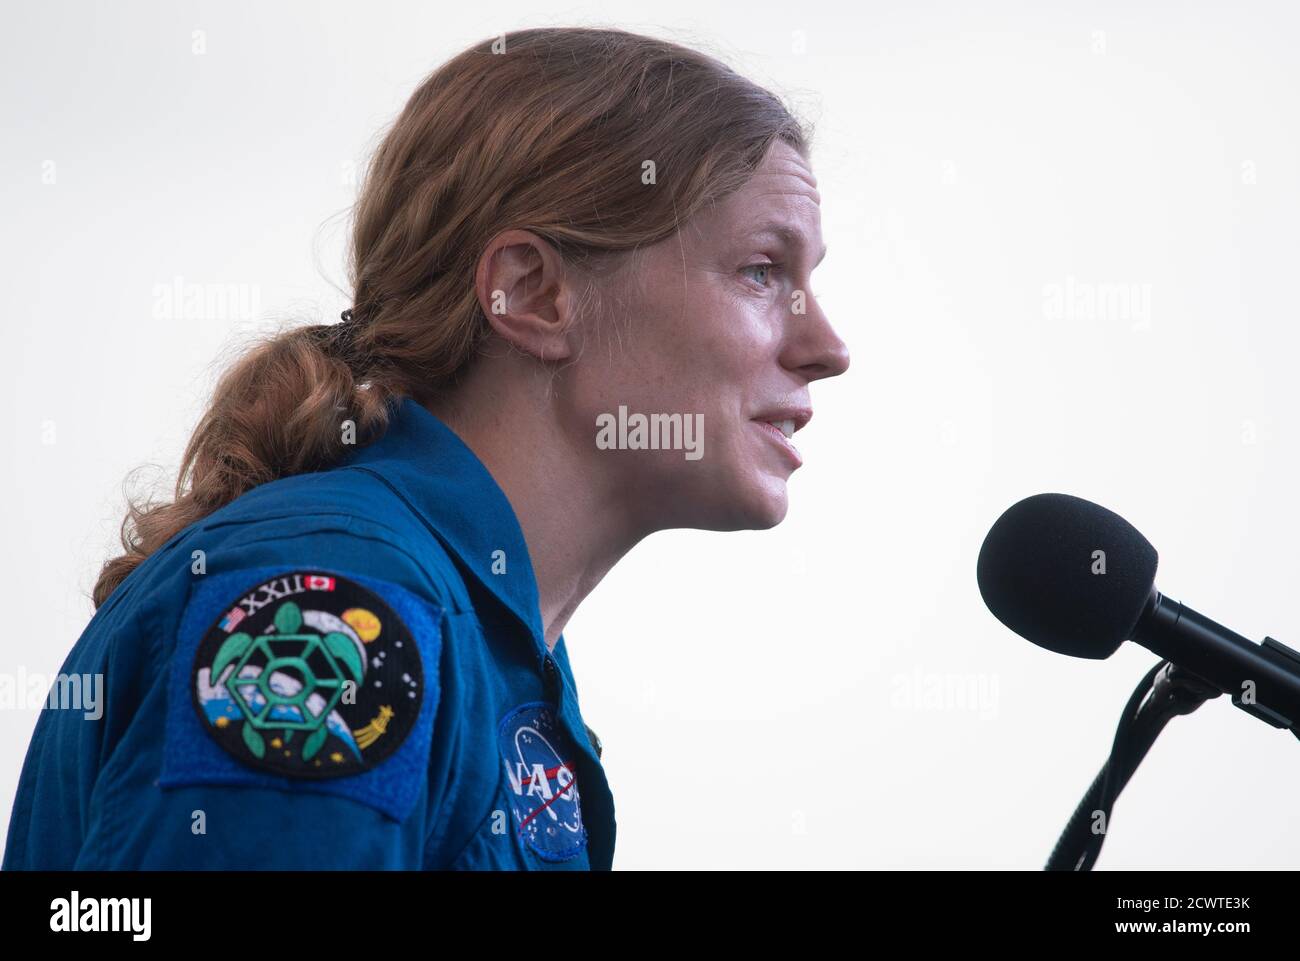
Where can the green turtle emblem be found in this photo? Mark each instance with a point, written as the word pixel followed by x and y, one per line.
pixel 319 679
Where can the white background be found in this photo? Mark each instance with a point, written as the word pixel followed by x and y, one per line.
pixel 765 699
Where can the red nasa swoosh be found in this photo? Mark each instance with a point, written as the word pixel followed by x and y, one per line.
pixel 550 774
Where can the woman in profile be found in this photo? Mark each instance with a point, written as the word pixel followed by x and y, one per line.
pixel 581 314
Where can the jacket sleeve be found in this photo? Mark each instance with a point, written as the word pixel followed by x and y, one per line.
pixel 289 722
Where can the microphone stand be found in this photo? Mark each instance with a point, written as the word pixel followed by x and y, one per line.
pixel 1166 691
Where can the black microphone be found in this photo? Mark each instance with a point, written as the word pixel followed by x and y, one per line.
pixel 1078 579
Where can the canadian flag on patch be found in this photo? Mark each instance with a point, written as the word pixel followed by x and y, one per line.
pixel 319 582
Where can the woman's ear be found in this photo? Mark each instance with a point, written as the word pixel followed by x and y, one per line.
pixel 524 293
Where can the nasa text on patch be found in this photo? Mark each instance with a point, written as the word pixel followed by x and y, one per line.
pixel 540 767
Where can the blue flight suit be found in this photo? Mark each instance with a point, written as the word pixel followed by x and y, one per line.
pixel 344 669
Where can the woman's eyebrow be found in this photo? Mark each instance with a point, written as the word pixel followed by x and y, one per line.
pixel 786 234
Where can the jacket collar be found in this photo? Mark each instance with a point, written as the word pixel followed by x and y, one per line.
pixel 452 490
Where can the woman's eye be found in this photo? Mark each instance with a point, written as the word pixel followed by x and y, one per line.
pixel 761 272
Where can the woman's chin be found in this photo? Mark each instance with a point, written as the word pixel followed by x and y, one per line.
pixel 757 508
pixel 774 511
pixel 754 504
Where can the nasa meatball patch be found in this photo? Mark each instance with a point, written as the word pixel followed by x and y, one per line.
pixel 540 762
pixel 308 675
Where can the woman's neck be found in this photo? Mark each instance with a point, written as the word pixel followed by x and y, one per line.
pixel 575 529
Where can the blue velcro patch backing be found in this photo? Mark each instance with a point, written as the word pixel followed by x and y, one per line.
pixel 192 756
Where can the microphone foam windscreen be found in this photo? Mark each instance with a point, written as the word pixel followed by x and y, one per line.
pixel 1066 574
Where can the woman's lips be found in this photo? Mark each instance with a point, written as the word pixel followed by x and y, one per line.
pixel 778 437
